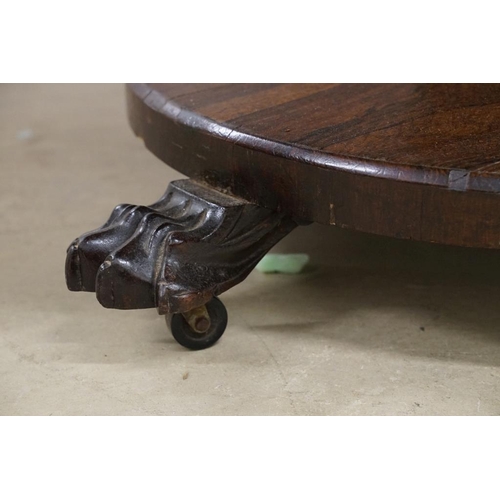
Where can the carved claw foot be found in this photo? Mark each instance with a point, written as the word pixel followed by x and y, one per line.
pixel 177 255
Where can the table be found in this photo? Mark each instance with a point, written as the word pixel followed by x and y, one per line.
pixel 413 161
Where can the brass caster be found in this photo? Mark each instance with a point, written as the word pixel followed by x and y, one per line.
pixel 201 327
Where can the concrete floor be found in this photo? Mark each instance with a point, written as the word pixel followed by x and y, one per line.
pixel 374 327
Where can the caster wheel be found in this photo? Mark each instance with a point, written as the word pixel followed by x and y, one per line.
pixel 187 336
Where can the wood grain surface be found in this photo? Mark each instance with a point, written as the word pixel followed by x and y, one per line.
pixel 417 161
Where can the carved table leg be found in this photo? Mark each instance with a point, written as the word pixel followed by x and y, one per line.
pixel 177 255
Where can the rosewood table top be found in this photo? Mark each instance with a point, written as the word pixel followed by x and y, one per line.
pixel 415 161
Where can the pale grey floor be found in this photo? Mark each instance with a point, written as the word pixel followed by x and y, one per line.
pixel 375 327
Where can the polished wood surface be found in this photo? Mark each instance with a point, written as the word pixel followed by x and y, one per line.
pixel 411 161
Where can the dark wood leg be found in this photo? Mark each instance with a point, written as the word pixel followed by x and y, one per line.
pixel 177 255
